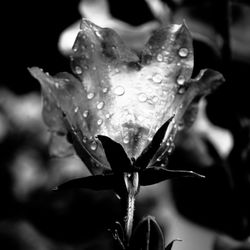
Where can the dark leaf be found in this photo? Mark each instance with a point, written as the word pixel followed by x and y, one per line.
pixel 153 175
pixel 116 155
pixel 95 182
pixel 147 236
pixel 143 160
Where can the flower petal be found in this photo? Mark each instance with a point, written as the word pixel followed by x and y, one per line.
pixel 118 95
pixel 63 112
pixel 185 105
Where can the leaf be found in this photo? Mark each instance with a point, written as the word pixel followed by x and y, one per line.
pixel 116 155
pixel 95 182
pixel 153 175
pixel 147 236
pixel 146 156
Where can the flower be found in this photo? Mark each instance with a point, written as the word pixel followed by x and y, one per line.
pixel 118 101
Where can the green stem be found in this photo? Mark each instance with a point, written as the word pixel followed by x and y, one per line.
pixel 130 215
pixel 132 186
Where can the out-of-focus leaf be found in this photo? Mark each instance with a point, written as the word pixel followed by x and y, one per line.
pixel 147 235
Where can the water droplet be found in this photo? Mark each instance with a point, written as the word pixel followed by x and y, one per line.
pixel 92 45
pixel 99 122
pixel 108 116
pixel 126 139
pixel 159 58
pixel 157 78
pixel 150 138
pixel 100 105
pixel 183 52
pixel 142 97
pixel 78 70
pixel 76 109
pixel 117 70
pixel 105 90
pixel 119 90
pixel 162 47
pixel 181 80
pixel 90 95
pixel 94 68
pixel 57 85
pixel 181 126
pixel 171 148
pixel 98 34
pixel 181 90
pixel 84 139
pixel 155 99
pixel 93 145
pixel 75 49
pixel 85 113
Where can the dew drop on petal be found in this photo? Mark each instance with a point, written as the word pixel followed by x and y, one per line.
pixel 181 80
pixel 76 109
pixel 126 139
pixel 93 145
pixel 105 90
pixel 183 52
pixel 119 90
pixel 94 68
pixel 100 105
pixel 78 70
pixel 181 90
pixel 142 97
pixel 181 126
pixel 84 139
pixel 159 58
pixel 57 85
pixel 157 78
pixel 171 148
pixel 90 95
pixel 99 122
pixel 85 113
pixel 155 99
pixel 108 116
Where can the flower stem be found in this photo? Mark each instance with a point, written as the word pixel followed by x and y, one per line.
pixel 132 186
pixel 130 215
